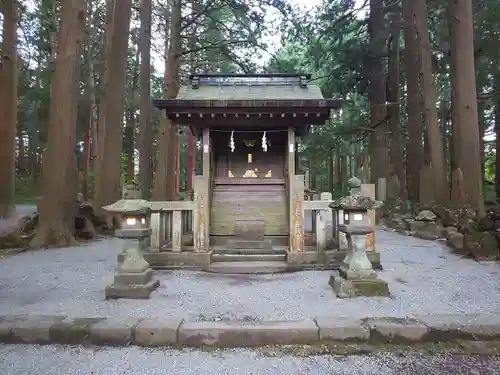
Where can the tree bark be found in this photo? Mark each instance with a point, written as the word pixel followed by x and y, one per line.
pixel 465 104
pixel 131 124
pixel 145 125
pixel 108 189
pixel 497 137
pixel 377 93
pixel 431 115
pixel 164 187
pixel 8 109
pixel 414 109
pixel 57 208
pixel 393 96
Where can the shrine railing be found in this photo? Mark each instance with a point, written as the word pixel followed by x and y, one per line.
pixel 171 223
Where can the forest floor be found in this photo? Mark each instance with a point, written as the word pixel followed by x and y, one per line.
pixel 12 223
pixel 424 277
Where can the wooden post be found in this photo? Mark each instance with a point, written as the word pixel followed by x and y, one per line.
pixel 177 173
pixel 206 153
pixel 190 161
pixel 290 152
pixel 368 190
pixel 297 215
pixel 320 230
pixel 201 214
pixel 157 231
pixel 177 231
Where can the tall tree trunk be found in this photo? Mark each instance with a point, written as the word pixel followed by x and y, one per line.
pixel 394 98
pixel 377 92
pixel 108 189
pixel 104 86
pixel 431 115
pixel 164 188
pixel 145 125
pixel 8 109
pixel 465 104
pixel 131 122
pixel 414 108
pixel 497 137
pixel 57 208
pixel 481 106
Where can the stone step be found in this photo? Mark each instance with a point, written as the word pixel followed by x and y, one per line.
pixel 249 244
pixel 225 250
pixel 253 267
pixel 248 257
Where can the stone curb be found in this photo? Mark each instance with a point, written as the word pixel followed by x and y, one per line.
pixel 45 329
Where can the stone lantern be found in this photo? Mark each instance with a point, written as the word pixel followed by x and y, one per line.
pixel 134 278
pixel 356 275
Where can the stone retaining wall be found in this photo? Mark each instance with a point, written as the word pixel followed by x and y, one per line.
pixel 167 331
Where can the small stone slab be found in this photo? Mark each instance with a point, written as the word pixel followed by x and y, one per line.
pixel 245 334
pixel 116 291
pixel 6 325
pixel 113 332
pixel 465 327
pixel 130 278
pixel 157 332
pixel 34 329
pixel 396 330
pixel 359 288
pixel 73 330
pixel 341 329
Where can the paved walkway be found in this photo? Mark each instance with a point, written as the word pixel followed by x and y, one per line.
pixel 56 360
pixel 423 276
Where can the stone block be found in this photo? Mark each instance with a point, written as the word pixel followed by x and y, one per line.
pixel 116 291
pixel 465 327
pixel 113 332
pixel 359 288
pixel 341 329
pixel 6 325
pixel 396 330
pixel 246 334
pixel 35 329
pixel 186 258
pixel 140 278
pixel 72 330
pixel 157 332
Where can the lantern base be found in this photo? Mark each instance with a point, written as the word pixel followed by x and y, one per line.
pixel 344 288
pixel 116 291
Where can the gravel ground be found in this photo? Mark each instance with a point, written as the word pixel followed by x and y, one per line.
pixel 423 276
pixel 56 360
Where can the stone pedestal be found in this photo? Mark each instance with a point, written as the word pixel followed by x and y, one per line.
pixel 356 276
pixel 134 278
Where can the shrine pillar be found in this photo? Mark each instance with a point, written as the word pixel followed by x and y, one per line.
pixel 201 217
pixel 295 196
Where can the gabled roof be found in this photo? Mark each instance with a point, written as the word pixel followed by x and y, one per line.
pixel 248 92
pixel 248 99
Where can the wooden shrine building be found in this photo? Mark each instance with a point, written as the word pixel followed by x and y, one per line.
pixel 247 193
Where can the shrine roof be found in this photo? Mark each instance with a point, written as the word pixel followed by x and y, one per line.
pixel 250 90
pixel 249 100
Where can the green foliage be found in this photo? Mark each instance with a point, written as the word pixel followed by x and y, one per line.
pixel 26 189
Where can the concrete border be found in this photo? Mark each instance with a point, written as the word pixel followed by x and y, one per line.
pixel 170 331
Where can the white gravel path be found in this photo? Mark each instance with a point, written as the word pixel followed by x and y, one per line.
pixel 423 276
pixel 56 360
